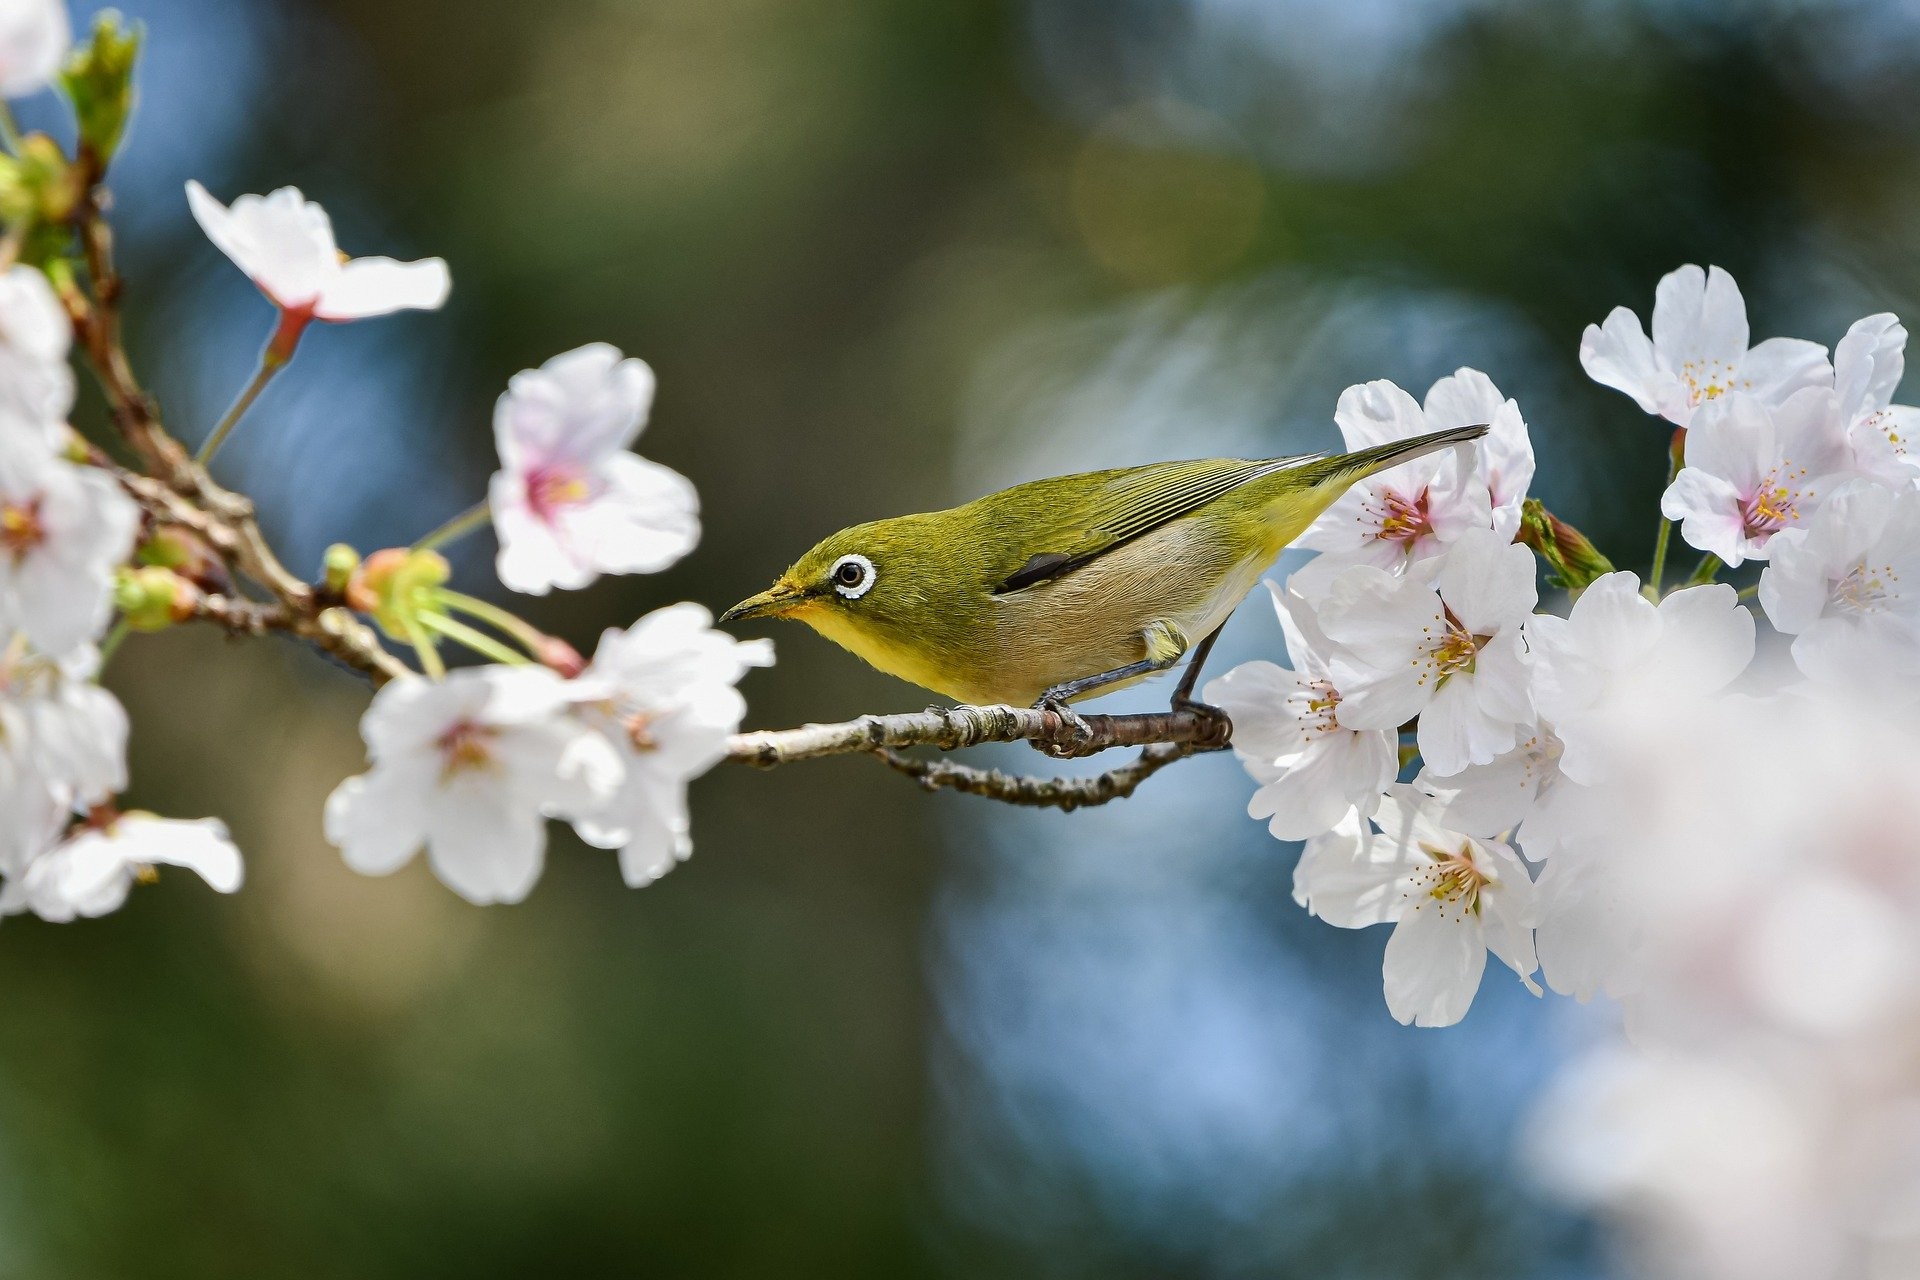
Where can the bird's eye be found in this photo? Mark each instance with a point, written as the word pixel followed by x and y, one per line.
pixel 852 576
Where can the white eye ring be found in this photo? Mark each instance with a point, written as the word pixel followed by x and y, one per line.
pixel 844 583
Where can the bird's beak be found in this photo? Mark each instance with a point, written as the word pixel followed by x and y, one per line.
pixel 777 601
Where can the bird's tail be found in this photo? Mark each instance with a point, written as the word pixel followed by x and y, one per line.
pixel 1342 469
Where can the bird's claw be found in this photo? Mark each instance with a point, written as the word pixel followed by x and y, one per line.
pixel 1073 734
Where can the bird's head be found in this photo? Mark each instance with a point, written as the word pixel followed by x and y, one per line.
pixel 868 577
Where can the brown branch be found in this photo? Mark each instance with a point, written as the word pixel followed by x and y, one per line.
pixel 1066 794
pixel 176 490
pixel 1167 736
pixel 179 491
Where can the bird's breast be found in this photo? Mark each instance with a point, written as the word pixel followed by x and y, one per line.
pixel 1191 573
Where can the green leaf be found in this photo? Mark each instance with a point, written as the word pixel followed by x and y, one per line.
pixel 98 80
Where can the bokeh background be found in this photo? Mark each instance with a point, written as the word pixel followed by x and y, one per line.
pixel 884 255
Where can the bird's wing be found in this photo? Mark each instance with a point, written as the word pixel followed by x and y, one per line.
pixel 1134 503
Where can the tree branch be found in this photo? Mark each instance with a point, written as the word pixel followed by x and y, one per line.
pixel 1167 736
pixel 179 491
pixel 176 490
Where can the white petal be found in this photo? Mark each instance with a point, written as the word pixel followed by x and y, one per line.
pixel 34 38
pixel 1708 509
pixel 367 287
pixel 1349 877
pixel 1618 354
pixel 1699 316
pixel 1457 730
pixel 1433 968
pixel 1706 640
pixel 1779 368
pixel 645 519
pixel 1377 413
pixel 365 821
pixel 1793 587
pixel 1488 582
pixel 1868 364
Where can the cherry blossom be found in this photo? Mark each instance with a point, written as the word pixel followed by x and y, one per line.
pixel 1847 588
pixel 1614 640
pixel 1451 897
pixel 1312 770
pixel 34 38
pixel 1415 510
pixel 470 767
pixel 63 746
pixel 91 873
pixel 569 501
pixel 284 243
pixel 1520 796
pixel 1752 471
pixel 36 383
pixel 64 528
pixel 1867 367
pixel 1698 352
pixel 662 691
pixel 1442 643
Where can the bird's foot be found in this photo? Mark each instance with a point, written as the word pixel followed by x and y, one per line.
pixel 1074 732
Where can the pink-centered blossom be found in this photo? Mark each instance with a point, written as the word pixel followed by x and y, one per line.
pixel 570 501
pixel 64 529
pixel 1867 368
pixel 1442 642
pixel 1414 511
pixel 1847 588
pixel 470 767
pixel 1752 470
pixel 1451 897
pixel 1313 770
pixel 662 692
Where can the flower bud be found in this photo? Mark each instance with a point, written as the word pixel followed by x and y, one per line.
pixel 1573 560
pixel 98 79
pixel 338 566
pixel 395 586
pixel 55 183
pixel 186 553
pixel 560 656
pixel 152 598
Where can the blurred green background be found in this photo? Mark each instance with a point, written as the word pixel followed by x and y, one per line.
pixel 883 254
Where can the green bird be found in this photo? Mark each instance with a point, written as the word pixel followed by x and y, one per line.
pixel 1056 589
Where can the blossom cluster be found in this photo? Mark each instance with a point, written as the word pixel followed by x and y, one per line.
pixel 1619 799
pixel 468 762
pixel 65 528
pixel 1421 613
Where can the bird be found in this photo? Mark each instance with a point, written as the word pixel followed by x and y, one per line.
pixel 1059 589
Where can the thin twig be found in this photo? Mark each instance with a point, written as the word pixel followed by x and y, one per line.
pixel 1066 794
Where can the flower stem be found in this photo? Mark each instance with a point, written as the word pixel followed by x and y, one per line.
pixel 1748 593
pixel 248 394
pixel 484 645
pixel 112 643
pixel 9 130
pixel 459 526
pixel 496 617
pixel 1660 539
pixel 423 646
pixel 1707 570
